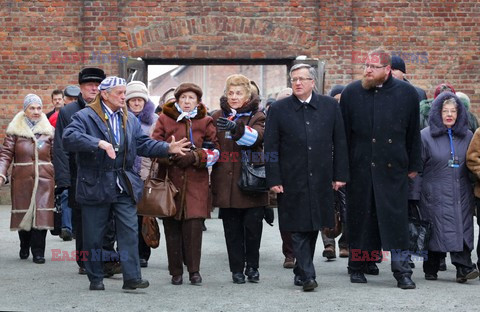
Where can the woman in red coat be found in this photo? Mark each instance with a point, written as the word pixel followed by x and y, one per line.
pixel 187 118
pixel 28 145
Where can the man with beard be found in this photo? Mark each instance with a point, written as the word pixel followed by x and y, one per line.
pixel 381 119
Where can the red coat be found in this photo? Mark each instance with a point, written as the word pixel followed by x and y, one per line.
pixel 192 181
pixel 32 178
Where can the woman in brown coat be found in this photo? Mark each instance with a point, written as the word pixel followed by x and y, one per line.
pixel 241 125
pixel 28 144
pixel 187 118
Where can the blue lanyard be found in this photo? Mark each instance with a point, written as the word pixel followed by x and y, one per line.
pixel 452 148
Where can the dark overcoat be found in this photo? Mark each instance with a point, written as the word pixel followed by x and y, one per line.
pixel 304 138
pixel 382 128
pixel 446 193
pixel 96 173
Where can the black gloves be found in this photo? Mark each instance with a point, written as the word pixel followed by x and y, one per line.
pixel 226 125
pixel 269 216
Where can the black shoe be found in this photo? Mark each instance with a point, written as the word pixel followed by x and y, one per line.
pixel 443 265
pixel 371 269
pixel 143 263
pixel 405 282
pixel 135 283
pixel 82 271
pixel 464 274
pixel 357 277
pixel 24 253
pixel 297 280
pixel 97 286
pixel 66 234
pixel 204 227
pixel 111 268
pixel 238 278
pixel 195 278
pixel 309 285
pixel 431 277
pixel 177 280
pixel 38 259
pixel 252 274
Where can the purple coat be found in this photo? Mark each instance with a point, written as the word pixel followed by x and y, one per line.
pixel 446 197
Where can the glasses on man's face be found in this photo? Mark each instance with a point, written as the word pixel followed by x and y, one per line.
pixel 300 79
pixel 373 67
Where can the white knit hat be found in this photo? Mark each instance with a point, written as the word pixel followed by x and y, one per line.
pixel 136 89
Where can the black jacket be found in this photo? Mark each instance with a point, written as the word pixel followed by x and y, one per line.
pixel 304 137
pixel 64 162
pixel 382 129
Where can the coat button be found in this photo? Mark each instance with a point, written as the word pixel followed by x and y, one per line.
pixel 389 165
pixel 230 173
pixel 390 141
pixel 309 148
pixel 311 174
pixel 308 122
pixel 373 140
pixel 373 164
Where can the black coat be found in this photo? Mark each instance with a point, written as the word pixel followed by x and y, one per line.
pixel 299 141
pixel 64 162
pixel 382 128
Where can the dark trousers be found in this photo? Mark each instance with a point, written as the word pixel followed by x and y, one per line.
pixel 144 251
pixel 243 233
pixel 459 259
pixel 95 222
pixel 399 264
pixel 34 240
pixel 304 249
pixel 287 244
pixel 77 225
pixel 184 244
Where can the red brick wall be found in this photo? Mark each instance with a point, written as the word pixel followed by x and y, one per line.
pixel 45 43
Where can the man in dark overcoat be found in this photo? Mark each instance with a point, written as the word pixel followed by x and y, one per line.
pixel 306 159
pixel 381 118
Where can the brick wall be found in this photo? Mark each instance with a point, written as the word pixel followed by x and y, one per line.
pixel 45 43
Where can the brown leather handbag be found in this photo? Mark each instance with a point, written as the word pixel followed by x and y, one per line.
pixel 150 232
pixel 337 230
pixel 158 199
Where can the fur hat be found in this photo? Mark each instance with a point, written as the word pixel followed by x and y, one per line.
pixel 398 63
pixel 91 74
pixel 136 89
pixel 188 86
pixel 437 128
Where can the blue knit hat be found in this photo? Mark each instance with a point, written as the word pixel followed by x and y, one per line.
pixel 111 82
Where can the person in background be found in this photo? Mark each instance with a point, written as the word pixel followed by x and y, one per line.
pixel 71 94
pixel 167 97
pixel 143 108
pixel 399 71
pixel 57 102
pixel 240 126
pixel 446 191
pixel 28 145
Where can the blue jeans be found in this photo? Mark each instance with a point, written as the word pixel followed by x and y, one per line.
pixel 66 211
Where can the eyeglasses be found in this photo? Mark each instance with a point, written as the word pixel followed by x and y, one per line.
pixel 301 79
pixel 374 66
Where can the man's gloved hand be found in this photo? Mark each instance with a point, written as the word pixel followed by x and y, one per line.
pixel 184 160
pixel 226 125
pixel 59 190
pixel 269 216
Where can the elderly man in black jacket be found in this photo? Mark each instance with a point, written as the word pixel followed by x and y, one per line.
pixel 381 118
pixel 306 159
pixel 106 139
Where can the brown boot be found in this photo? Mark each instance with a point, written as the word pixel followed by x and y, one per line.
pixel 343 252
pixel 329 252
pixel 289 263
